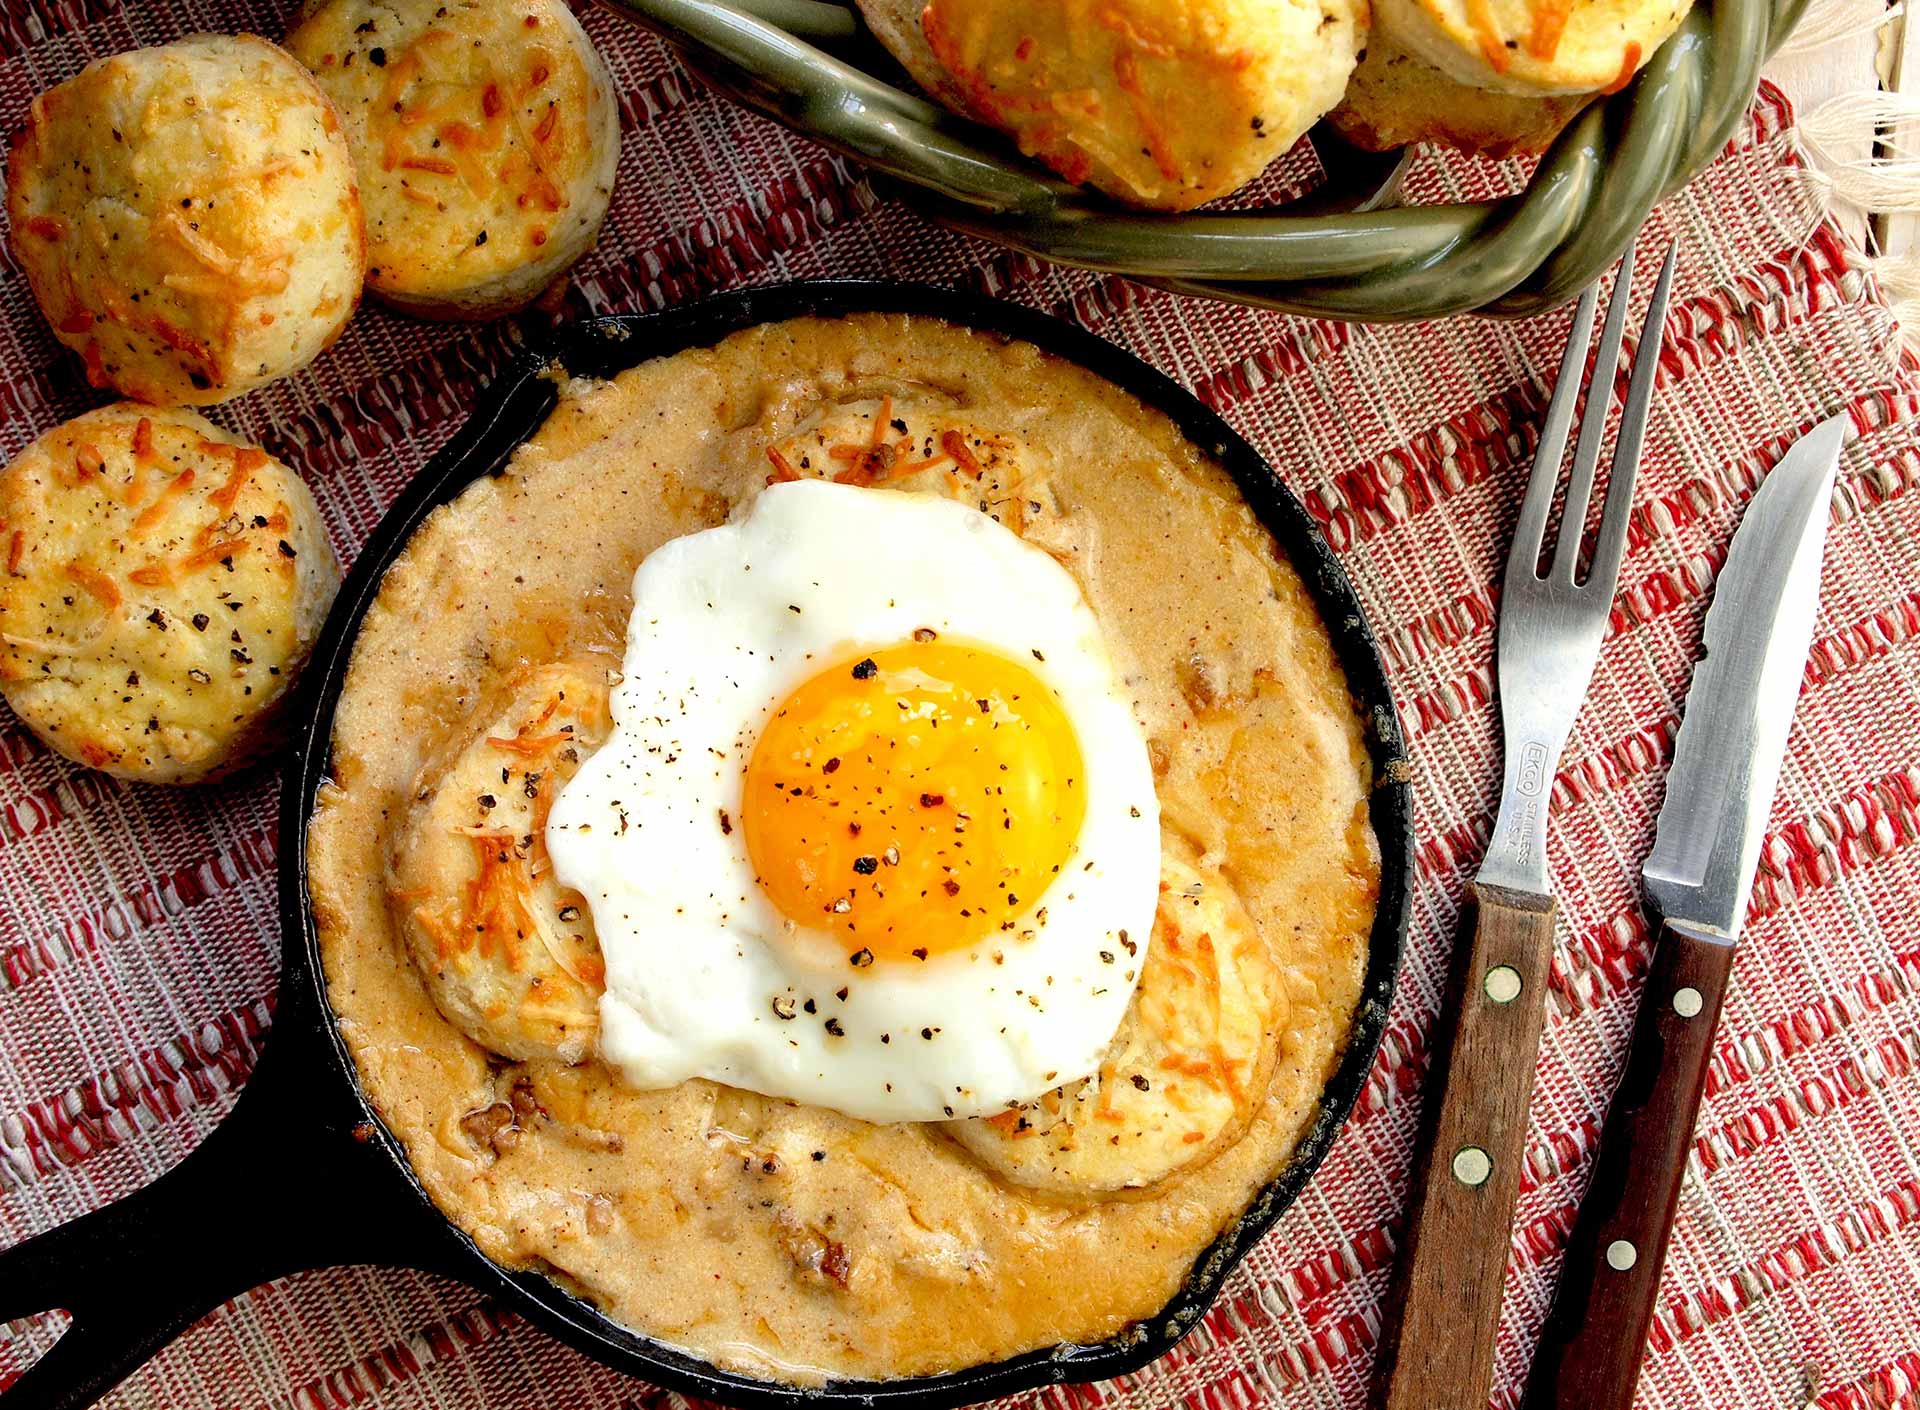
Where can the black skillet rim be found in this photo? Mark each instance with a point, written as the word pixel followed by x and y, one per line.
pixel 505 414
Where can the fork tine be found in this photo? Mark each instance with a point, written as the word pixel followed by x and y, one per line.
pixel 1612 544
pixel 1545 477
pixel 1593 425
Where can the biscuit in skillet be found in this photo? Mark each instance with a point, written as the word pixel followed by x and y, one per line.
pixel 508 955
pixel 162 584
pixel 187 218
pixel 1183 1073
pixel 486 132
pixel 1159 103
pixel 1395 100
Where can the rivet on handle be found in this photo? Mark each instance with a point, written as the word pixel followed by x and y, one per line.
pixel 1687 1002
pixel 1622 1255
pixel 1472 1166
pixel 1503 984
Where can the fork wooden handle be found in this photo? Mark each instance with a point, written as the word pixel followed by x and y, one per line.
pixel 1443 1307
pixel 1596 1335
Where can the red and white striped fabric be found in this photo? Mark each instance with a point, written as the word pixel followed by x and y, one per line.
pixel 138 939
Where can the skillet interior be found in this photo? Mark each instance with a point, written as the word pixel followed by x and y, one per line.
pixel 507 414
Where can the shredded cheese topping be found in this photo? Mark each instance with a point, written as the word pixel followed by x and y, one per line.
pixel 466 133
pixel 496 912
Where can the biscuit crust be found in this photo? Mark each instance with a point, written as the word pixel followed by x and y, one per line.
pixel 1159 103
pixel 1533 47
pixel 163 582
pixel 187 217
pixel 486 135
pixel 1396 100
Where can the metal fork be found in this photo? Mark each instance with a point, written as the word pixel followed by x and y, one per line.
pixel 1443 1310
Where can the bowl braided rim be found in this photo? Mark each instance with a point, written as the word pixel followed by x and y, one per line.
pixel 1344 252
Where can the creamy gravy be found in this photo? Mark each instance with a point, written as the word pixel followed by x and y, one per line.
pixel 790 1242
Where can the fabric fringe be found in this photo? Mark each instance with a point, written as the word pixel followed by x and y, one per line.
pixel 1888 180
pixel 1899 280
pixel 1886 126
pixel 1830 21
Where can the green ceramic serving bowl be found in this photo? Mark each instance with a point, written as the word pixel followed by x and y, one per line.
pixel 1346 251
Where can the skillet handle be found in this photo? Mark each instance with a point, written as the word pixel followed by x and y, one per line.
pixel 270 1191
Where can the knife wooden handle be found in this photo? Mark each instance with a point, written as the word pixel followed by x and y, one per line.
pixel 1596 1336
pixel 1443 1307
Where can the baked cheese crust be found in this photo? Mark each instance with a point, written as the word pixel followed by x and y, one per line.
pixel 486 133
pixel 1533 47
pixel 187 217
pixel 163 582
pixel 1160 103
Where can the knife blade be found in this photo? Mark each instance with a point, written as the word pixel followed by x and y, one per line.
pixel 1727 757
pixel 1733 732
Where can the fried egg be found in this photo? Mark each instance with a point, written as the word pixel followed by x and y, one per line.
pixel 875 827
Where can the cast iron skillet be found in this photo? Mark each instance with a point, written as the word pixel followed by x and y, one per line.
pixel 303 1174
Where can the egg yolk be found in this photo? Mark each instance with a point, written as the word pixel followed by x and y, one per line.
pixel 915 800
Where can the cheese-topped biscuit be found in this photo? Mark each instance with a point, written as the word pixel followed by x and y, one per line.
pixel 507 953
pixel 1532 46
pixel 486 133
pixel 1183 1073
pixel 162 583
pixel 1396 100
pixel 1162 103
pixel 187 217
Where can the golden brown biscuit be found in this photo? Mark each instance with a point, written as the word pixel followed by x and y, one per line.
pixel 1184 1072
pixel 508 954
pixel 1395 100
pixel 1161 103
pixel 187 217
pixel 1532 47
pixel 486 133
pixel 163 583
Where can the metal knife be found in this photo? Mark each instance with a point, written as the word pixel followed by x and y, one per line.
pixel 1727 756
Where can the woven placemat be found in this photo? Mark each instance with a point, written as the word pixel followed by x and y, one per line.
pixel 138 936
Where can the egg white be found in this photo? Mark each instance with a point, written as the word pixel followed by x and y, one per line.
pixel 701 966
